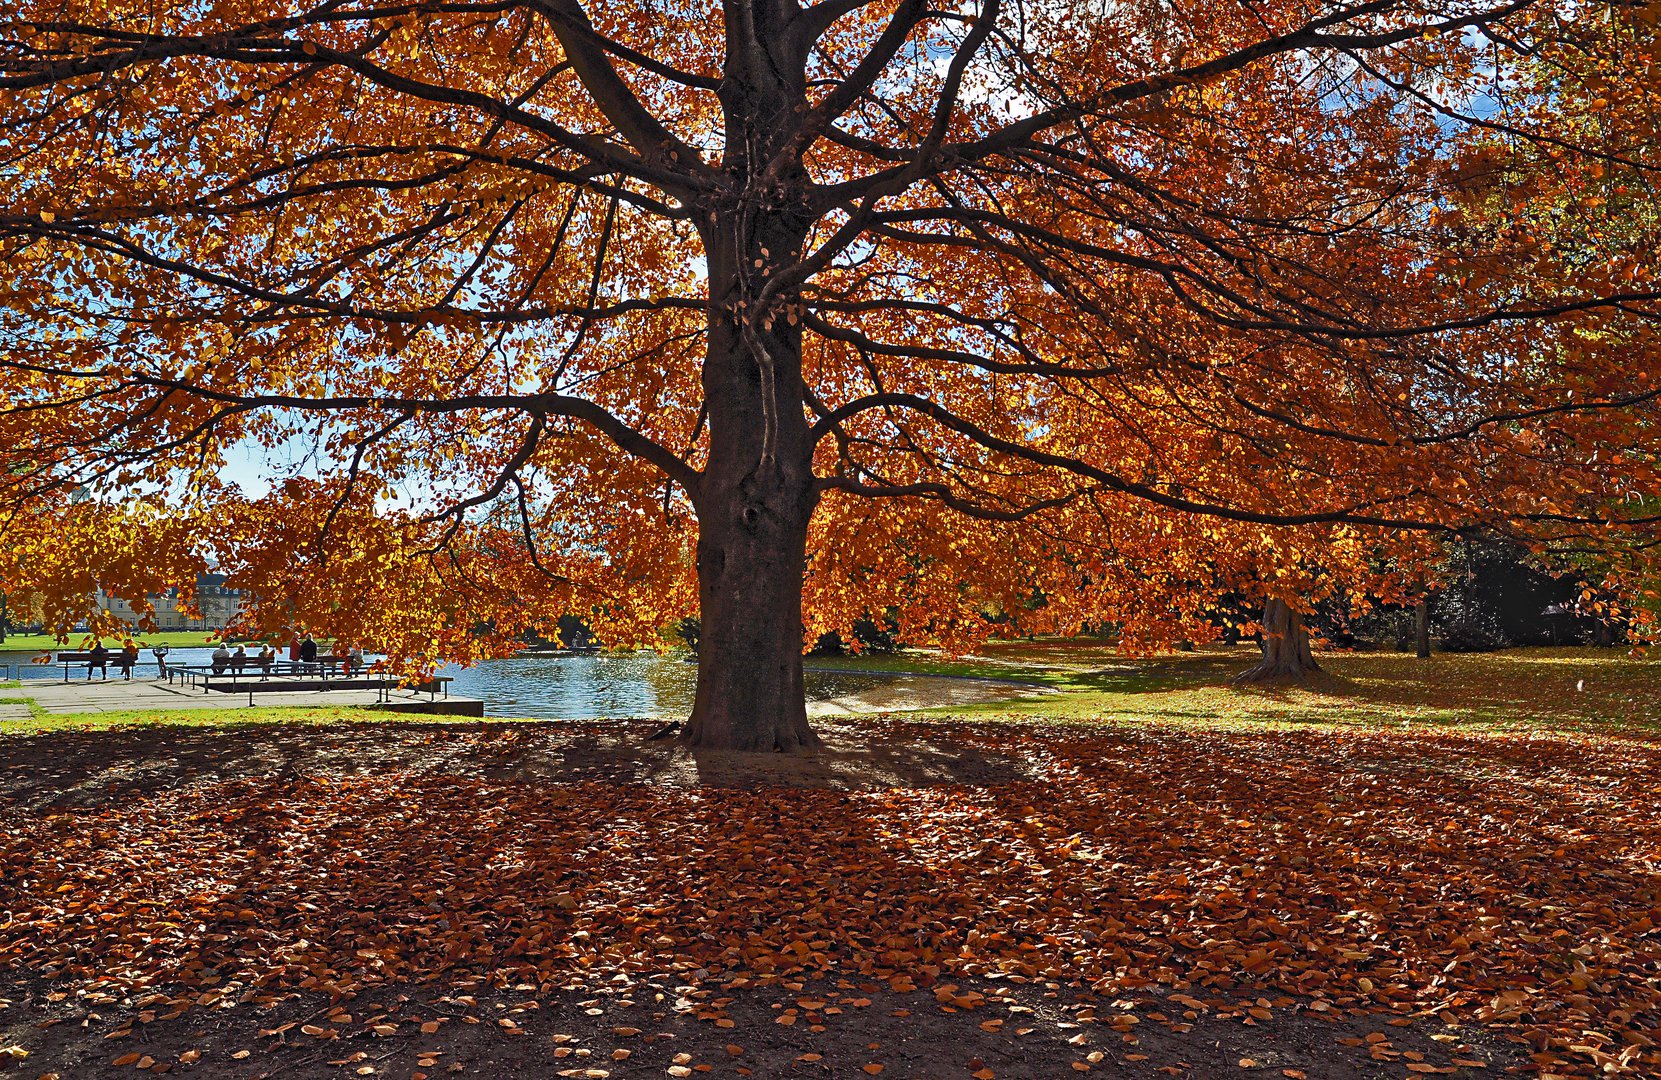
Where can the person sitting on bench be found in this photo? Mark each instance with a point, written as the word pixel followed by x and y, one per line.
pixel 129 658
pixel 239 660
pixel 221 659
pixel 99 658
pixel 264 659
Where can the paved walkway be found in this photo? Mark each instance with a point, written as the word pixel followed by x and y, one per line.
pixel 15 712
pixel 120 695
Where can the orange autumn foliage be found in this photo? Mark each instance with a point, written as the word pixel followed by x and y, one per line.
pixel 789 315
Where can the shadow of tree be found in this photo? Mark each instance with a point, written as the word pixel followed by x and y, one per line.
pixel 1377 871
pixel 97 768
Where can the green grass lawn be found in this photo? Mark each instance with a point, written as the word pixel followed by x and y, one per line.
pixel 1571 688
pixel 47 643
pixel 1538 689
pixel 214 718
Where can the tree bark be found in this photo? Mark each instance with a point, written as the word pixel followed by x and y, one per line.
pixel 750 694
pixel 1286 653
pixel 1421 628
pixel 756 494
pixel 754 503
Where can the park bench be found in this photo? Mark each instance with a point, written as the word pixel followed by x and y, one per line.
pixel 290 676
pixel 111 659
pixel 197 673
pixel 434 686
pixel 383 685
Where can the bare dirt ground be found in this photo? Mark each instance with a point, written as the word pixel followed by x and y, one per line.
pixel 648 1029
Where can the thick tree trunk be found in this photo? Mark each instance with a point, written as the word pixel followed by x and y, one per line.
pixel 1421 628
pixel 753 504
pixel 757 493
pixel 1286 653
pixel 751 554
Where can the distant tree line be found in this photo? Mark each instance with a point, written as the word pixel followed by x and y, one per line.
pixel 1492 596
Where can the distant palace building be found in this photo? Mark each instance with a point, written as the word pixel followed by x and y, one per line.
pixel 218 604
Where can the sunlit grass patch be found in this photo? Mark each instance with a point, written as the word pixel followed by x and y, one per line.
pixel 215 718
pixel 1569 689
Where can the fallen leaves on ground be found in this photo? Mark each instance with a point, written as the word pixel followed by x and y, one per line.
pixel 1508 880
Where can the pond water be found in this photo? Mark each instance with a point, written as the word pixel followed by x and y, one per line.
pixel 587 686
pixel 643 684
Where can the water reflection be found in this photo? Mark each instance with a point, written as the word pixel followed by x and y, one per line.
pixel 594 685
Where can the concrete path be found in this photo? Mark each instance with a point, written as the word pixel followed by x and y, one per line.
pixel 15 712
pixel 120 695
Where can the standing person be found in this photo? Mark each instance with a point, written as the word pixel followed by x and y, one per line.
pixel 294 649
pixel 160 653
pixel 354 662
pixel 308 651
pixel 267 654
pixel 129 657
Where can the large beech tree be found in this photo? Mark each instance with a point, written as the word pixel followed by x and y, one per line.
pixel 1037 308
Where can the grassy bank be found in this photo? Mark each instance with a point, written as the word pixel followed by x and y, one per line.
pixel 177 639
pixel 201 718
pixel 1570 688
pixel 1537 690
pixel 1534 689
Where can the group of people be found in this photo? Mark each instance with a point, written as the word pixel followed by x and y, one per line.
pixel 225 660
pixel 302 652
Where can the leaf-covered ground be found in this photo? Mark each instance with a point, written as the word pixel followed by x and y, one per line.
pixel 1194 900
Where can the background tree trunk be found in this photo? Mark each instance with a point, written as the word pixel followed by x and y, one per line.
pixel 1421 627
pixel 1286 653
